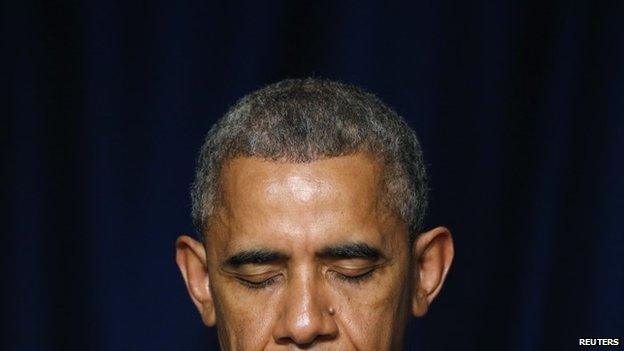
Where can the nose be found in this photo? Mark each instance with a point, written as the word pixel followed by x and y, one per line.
pixel 305 316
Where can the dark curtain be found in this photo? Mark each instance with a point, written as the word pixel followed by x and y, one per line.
pixel 519 107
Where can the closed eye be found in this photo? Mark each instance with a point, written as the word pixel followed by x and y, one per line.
pixel 251 284
pixel 359 278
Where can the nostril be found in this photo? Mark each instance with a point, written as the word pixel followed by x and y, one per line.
pixel 290 341
pixel 306 329
pixel 304 345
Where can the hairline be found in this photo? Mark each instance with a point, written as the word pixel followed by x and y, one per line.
pixel 384 134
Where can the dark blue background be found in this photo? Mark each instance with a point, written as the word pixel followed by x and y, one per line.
pixel 519 106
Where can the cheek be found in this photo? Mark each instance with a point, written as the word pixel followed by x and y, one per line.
pixel 372 315
pixel 244 321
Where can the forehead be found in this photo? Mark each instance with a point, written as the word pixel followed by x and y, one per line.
pixel 273 182
pixel 327 200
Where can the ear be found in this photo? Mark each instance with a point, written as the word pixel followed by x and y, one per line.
pixel 191 259
pixel 433 253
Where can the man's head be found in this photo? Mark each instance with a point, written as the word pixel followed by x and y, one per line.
pixel 309 198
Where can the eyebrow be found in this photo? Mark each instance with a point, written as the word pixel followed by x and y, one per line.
pixel 257 256
pixel 341 251
pixel 351 250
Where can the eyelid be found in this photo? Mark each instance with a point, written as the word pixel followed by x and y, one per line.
pixel 346 271
pixel 257 285
pixel 255 276
pixel 355 264
pixel 356 279
pixel 357 274
pixel 250 270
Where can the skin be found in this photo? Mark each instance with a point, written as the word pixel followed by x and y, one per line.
pixel 306 256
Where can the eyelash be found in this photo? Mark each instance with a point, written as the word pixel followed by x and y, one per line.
pixel 258 285
pixel 347 278
pixel 355 279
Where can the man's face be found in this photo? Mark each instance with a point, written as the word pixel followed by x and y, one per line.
pixel 306 256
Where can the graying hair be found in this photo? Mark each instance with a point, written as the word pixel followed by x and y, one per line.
pixel 303 120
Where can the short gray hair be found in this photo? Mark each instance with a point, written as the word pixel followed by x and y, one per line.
pixel 303 120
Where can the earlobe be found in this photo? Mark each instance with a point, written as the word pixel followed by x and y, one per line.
pixel 433 254
pixel 191 259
